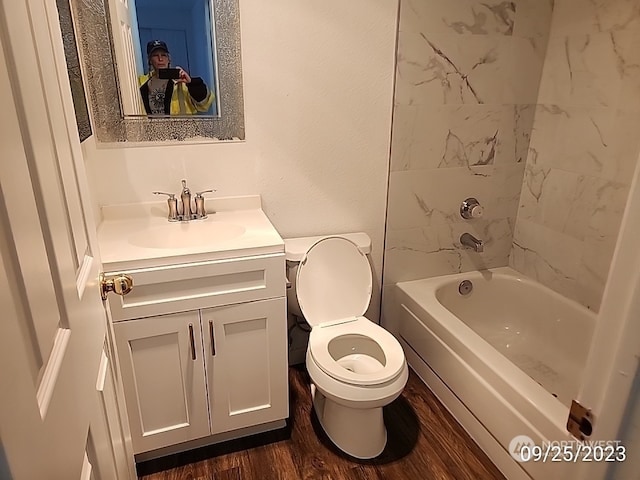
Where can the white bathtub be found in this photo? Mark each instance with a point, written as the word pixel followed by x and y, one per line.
pixel 505 359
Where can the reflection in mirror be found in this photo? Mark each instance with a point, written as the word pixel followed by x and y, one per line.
pixel 203 38
pixel 185 31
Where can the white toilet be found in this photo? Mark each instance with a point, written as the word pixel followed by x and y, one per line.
pixel 356 366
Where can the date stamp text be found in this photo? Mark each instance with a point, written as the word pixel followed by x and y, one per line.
pixel 523 449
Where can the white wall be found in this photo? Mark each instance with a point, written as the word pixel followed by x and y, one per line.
pixel 318 88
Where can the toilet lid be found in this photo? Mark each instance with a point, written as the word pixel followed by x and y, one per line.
pixel 333 282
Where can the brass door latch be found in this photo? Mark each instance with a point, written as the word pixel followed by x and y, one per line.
pixel 120 284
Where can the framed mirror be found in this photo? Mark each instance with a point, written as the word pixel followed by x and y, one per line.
pixel 73 70
pixel 113 49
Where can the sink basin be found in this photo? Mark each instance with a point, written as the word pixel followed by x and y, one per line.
pixel 197 233
pixel 139 236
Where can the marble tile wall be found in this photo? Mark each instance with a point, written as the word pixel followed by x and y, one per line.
pixel 583 148
pixel 467 83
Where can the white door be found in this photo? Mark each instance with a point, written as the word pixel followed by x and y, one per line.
pixel 125 31
pixel 53 325
pixel 615 352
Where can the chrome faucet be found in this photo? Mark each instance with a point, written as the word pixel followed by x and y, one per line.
pixel 185 213
pixel 470 241
pixel 185 198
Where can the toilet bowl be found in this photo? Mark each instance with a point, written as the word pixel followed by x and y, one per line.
pixel 356 366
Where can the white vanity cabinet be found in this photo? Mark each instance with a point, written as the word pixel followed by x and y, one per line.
pixel 202 335
pixel 193 374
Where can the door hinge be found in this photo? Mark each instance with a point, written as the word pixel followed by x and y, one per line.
pixel 580 422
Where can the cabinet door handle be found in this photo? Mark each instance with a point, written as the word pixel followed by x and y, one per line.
pixel 213 341
pixel 193 343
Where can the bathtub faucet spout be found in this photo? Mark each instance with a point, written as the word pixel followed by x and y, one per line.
pixel 470 241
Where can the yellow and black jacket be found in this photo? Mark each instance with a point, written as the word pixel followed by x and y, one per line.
pixel 180 98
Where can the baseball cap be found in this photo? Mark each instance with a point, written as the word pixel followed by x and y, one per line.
pixel 155 45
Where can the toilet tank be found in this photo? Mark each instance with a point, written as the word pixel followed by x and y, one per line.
pixel 295 249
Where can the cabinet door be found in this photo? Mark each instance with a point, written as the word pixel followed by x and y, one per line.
pixel 163 376
pixel 246 362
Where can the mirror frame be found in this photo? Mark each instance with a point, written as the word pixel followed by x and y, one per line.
pixel 91 20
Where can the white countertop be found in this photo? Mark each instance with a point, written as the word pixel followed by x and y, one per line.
pixel 128 233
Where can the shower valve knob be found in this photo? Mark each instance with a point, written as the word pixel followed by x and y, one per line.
pixel 471 208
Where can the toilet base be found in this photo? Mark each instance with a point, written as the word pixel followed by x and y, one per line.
pixel 359 432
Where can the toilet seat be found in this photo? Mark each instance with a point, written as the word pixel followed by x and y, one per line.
pixel 320 338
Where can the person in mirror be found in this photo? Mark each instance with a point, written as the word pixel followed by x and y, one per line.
pixel 185 95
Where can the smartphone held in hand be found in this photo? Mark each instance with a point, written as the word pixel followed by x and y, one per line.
pixel 169 73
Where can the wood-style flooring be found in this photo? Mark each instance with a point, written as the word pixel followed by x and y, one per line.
pixel 424 442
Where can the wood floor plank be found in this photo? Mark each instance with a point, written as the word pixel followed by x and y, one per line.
pixel 269 462
pixel 364 472
pixel 234 473
pixel 423 442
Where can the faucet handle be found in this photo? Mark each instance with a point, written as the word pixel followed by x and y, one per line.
pixel 200 210
pixel 471 208
pixel 171 195
pixel 172 203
